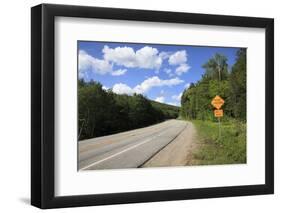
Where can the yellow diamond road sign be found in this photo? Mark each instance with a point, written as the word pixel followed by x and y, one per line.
pixel 217 102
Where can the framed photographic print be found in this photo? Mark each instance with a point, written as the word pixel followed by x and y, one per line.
pixel 139 106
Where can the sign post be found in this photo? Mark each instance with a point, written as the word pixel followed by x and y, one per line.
pixel 217 102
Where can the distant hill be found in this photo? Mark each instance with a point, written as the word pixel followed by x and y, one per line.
pixel 169 111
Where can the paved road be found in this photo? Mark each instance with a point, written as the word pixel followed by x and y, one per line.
pixel 129 149
pixel 180 152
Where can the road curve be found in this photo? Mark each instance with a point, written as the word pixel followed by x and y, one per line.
pixel 129 149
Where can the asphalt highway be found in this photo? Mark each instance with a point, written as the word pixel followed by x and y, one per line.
pixel 129 149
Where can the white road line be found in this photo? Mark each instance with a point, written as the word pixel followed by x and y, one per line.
pixel 118 153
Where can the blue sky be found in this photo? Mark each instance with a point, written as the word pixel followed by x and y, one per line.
pixel 160 72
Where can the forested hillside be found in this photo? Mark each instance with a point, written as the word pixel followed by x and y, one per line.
pixel 218 80
pixel 228 146
pixel 169 111
pixel 102 112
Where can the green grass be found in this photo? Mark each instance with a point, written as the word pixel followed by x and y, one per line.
pixel 230 148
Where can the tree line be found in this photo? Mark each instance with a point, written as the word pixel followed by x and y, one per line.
pixel 102 112
pixel 218 80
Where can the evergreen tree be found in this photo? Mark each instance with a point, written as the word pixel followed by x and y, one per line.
pixel 217 80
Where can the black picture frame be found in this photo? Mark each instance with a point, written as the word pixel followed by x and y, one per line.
pixel 43 102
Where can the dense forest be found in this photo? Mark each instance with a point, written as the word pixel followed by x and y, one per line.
pixel 102 112
pixel 218 80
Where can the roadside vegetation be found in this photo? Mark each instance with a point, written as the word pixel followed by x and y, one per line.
pixel 230 84
pixel 230 148
pixel 102 112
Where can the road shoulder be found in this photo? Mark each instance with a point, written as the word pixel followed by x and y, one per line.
pixel 179 152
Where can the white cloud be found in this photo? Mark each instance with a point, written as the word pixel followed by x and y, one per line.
pixel 164 55
pixel 160 99
pixel 145 86
pixel 105 88
pixel 119 72
pixel 146 57
pixel 81 75
pixel 88 62
pixel 187 85
pixel 155 81
pixel 122 89
pixel 98 66
pixel 120 55
pixel 174 103
pixel 84 60
pixel 169 72
pixel 177 97
pixel 183 68
pixel 178 58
